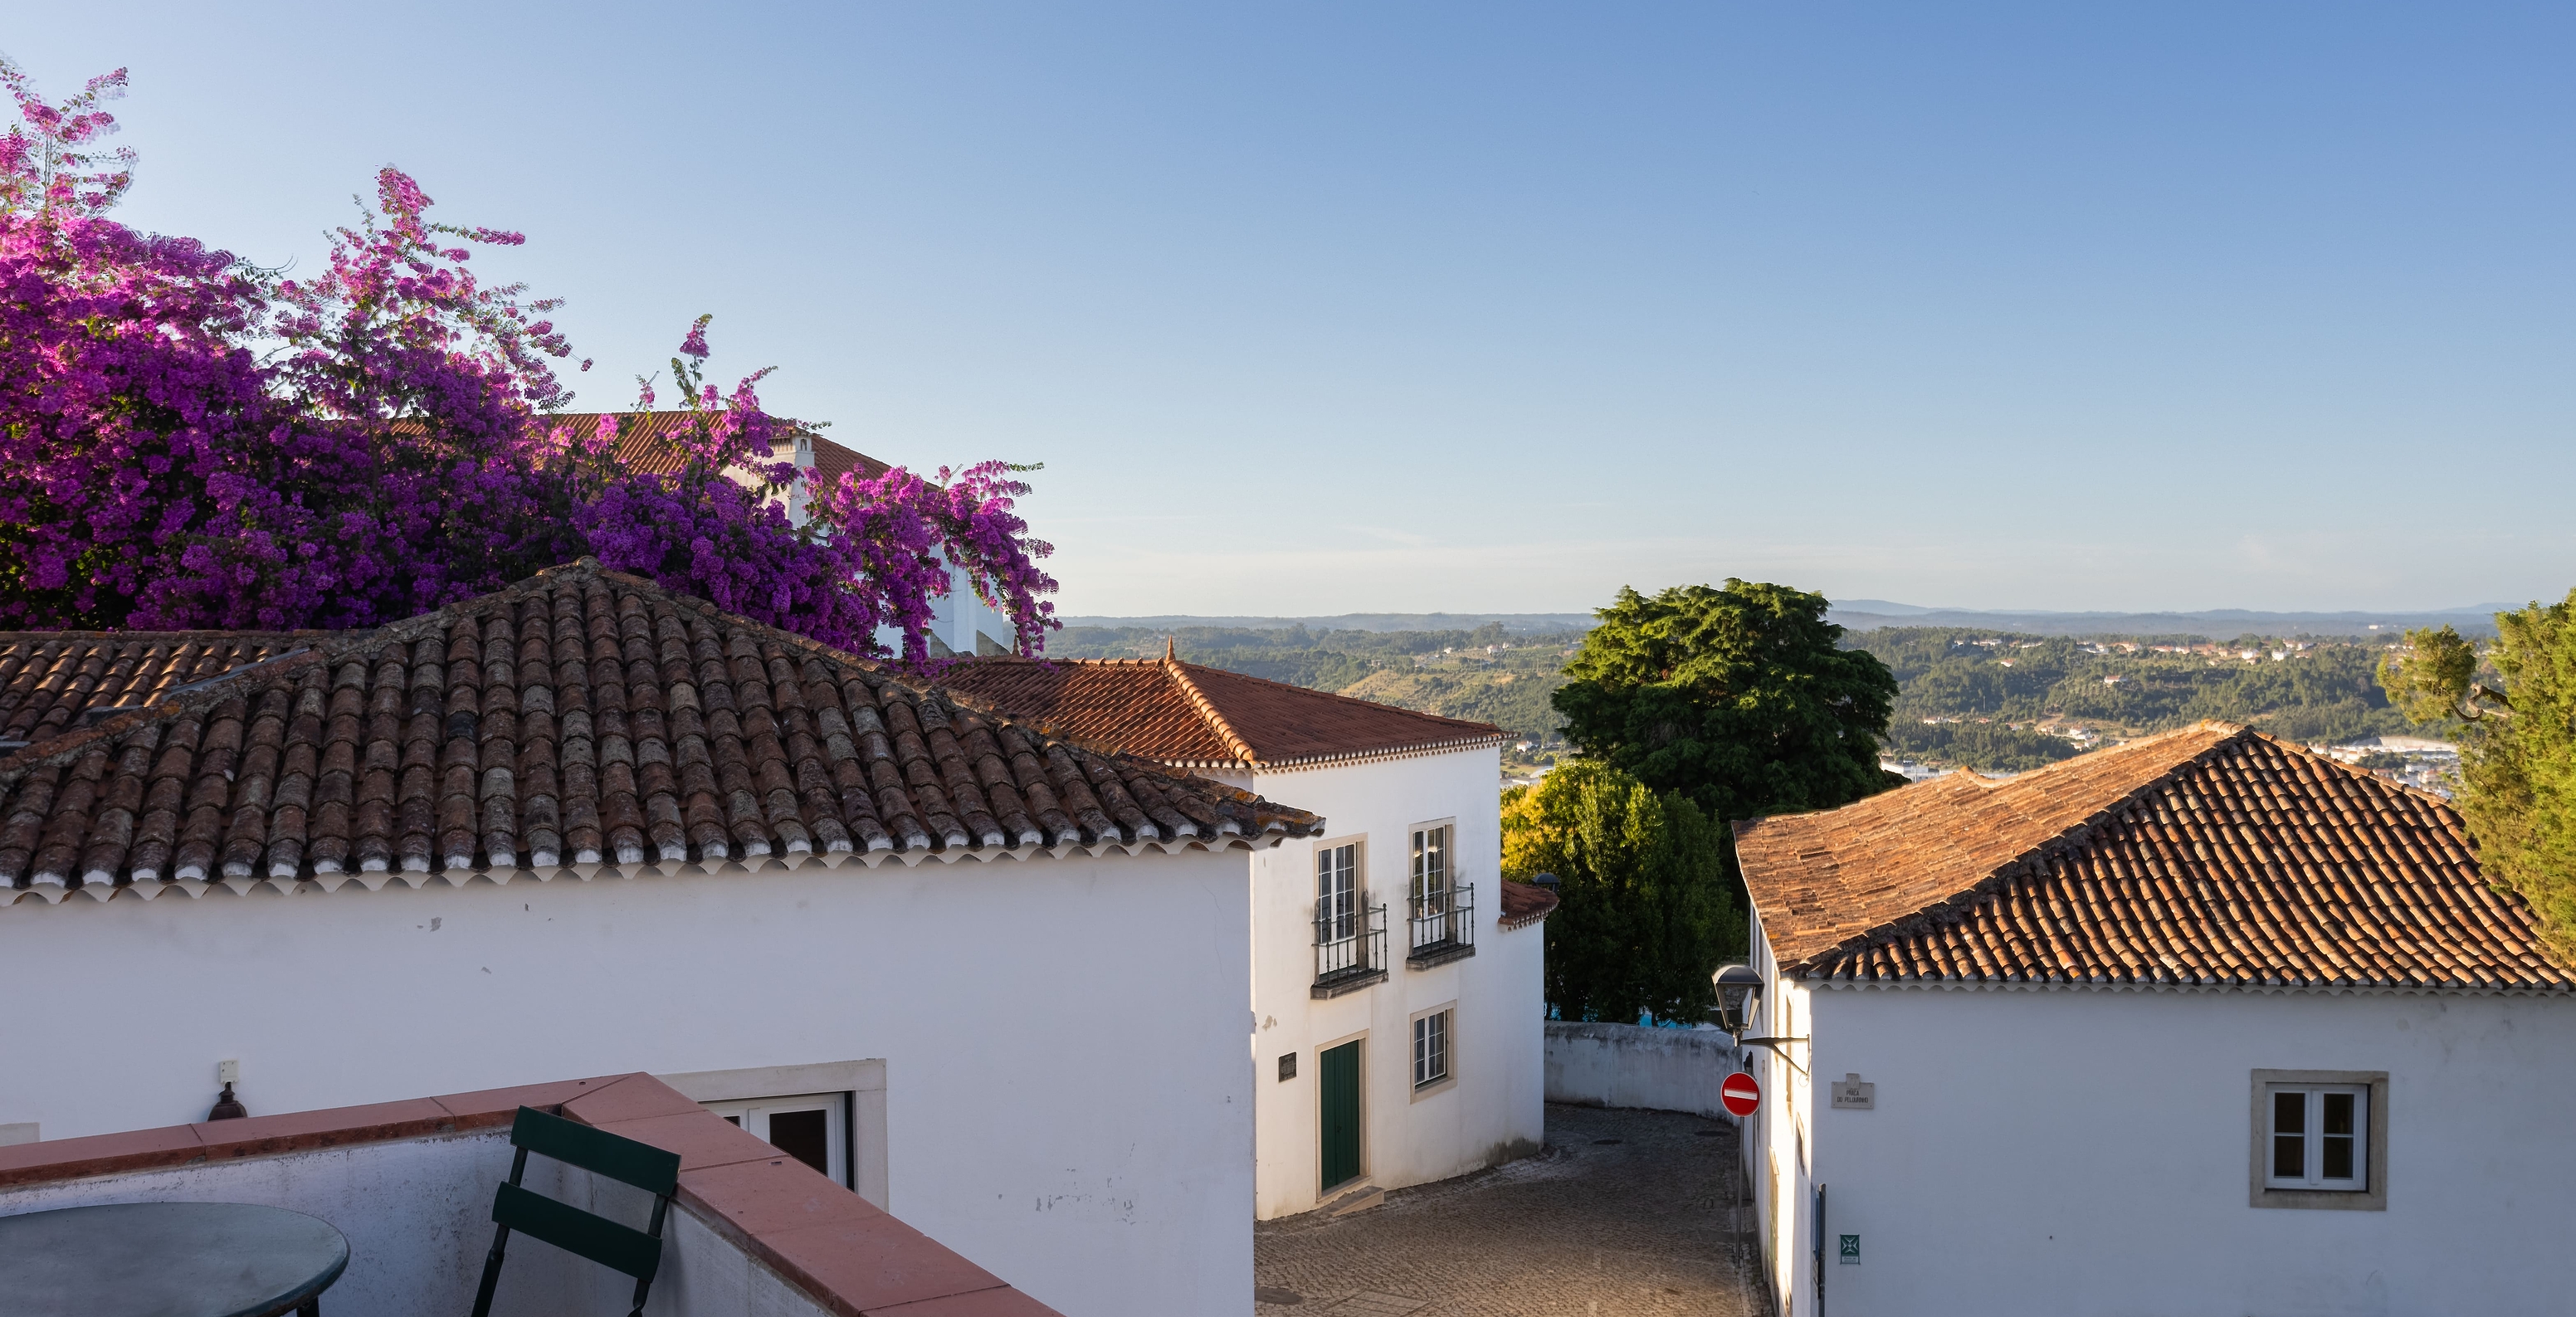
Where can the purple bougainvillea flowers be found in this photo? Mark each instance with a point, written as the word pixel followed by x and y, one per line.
pixel 189 441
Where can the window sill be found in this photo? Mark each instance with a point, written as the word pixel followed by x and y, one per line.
pixel 2327 1200
pixel 1439 953
pixel 1435 1088
pixel 1347 983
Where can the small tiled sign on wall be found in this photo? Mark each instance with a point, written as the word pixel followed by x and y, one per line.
pixel 1852 1095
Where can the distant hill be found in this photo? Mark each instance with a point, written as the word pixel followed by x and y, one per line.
pixel 1519 624
pixel 1871 614
pixel 2215 623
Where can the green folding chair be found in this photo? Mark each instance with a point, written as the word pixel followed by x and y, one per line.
pixel 637 1253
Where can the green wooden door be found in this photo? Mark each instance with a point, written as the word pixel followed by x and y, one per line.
pixel 1340 1084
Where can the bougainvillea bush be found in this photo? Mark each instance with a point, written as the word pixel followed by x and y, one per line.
pixel 189 441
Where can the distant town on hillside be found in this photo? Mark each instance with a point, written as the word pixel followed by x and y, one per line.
pixel 1995 692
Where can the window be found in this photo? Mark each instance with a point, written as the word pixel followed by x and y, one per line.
pixel 2317 1138
pixel 2320 1139
pixel 1337 898
pixel 1350 933
pixel 1431 1049
pixel 831 1115
pixel 813 1128
pixel 1431 866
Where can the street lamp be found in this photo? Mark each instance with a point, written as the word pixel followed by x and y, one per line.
pixel 1739 994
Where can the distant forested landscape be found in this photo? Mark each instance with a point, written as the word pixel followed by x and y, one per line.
pixel 2010 702
pixel 1993 701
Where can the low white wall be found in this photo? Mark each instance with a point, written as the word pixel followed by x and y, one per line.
pixel 418 1217
pixel 1625 1065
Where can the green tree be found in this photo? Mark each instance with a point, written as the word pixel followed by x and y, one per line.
pixel 1739 697
pixel 1646 912
pixel 2517 753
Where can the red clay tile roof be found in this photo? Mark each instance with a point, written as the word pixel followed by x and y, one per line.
pixel 644 445
pixel 581 716
pixel 1195 716
pixel 1525 904
pixel 49 678
pixel 2209 856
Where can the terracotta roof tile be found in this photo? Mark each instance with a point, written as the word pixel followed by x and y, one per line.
pixel 644 445
pixel 582 716
pixel 1525 904
pixel 1192 715
pixel 48 679
pixel 2212 855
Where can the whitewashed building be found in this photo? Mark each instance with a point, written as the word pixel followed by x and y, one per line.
pixel 2200 1024
pixel 586 827
pixel 1395 980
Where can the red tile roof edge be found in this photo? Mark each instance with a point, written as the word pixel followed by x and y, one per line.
pixel 1177 671
pixel 1525 904
pixel 729 1180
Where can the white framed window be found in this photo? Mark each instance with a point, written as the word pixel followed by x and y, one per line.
pixel 1431 1047
pixel 1337 890
pixel 2320 1137
pixel 813 1128
pixel 1431 866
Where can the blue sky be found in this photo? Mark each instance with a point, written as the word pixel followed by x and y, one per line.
pixel 1496 307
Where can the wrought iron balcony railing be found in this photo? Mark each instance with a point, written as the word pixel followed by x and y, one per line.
pixel 1350 944
pixel 1443 926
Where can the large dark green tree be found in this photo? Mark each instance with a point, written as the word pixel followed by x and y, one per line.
pixel 1739 697
pixel 2516 714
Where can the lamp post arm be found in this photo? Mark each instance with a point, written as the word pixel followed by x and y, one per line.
pixel 1773 1044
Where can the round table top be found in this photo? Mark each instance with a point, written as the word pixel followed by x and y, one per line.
pixel 166 1260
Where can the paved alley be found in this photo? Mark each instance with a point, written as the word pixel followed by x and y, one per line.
pixel 1626 1212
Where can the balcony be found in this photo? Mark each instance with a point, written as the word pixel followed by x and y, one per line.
pixel 1442 927
pixel 410 1184
pixel 1350 945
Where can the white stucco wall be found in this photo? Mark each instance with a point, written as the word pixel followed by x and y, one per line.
pixel 2088 1153
pixel 1495 1108
pixel 1067 1099
pixel 1596 1064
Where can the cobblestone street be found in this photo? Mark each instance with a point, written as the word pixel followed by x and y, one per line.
pixel 1626 1212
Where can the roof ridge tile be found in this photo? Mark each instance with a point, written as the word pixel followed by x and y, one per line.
pixel 1215 719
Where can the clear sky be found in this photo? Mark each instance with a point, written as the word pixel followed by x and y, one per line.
pixel 1319 308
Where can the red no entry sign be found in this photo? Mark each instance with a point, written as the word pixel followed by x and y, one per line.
pixel 1740 1094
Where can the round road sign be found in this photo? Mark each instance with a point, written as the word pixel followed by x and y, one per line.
pixel 1740 1094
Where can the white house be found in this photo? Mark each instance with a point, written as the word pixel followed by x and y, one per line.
pixel 585 827
pixel 963 623
pixel 1395 979
pixel 2201 1024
